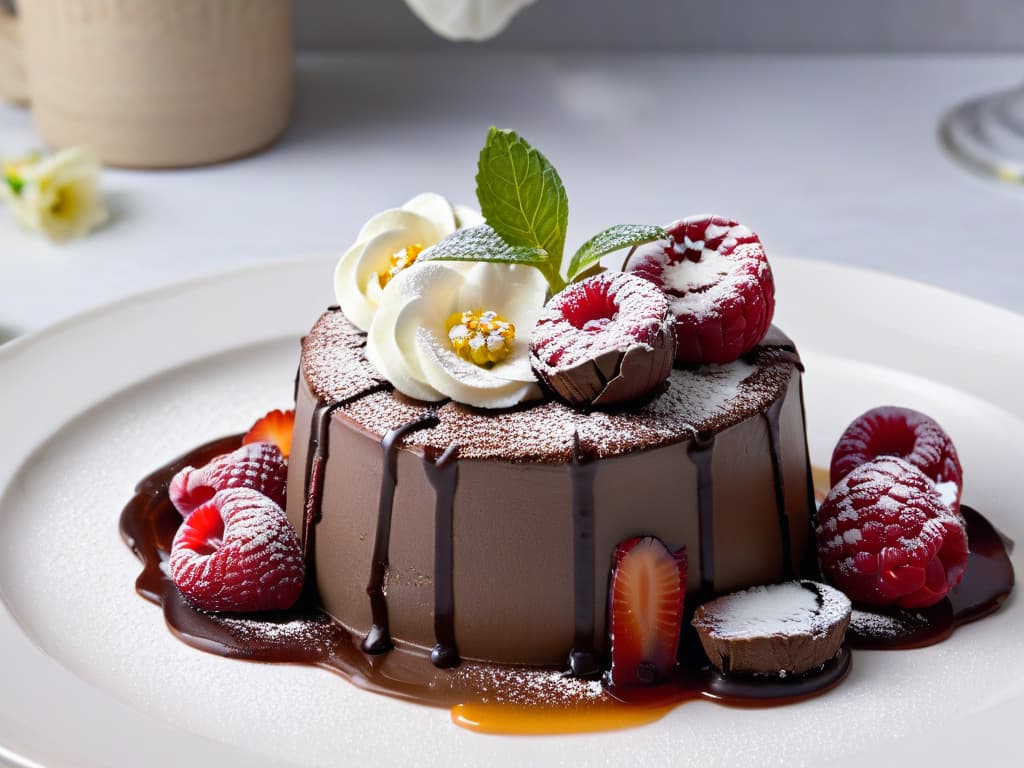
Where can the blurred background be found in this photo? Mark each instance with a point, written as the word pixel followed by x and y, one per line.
pixel 730 26
pixel 824 125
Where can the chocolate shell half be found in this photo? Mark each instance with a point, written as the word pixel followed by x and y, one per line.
pixel 778 630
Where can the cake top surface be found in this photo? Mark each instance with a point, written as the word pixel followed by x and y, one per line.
pixel 697 401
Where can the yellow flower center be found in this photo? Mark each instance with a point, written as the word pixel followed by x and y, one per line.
pixel 399 260
pixel 484 338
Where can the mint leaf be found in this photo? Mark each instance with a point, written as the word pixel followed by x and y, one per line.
pixel 482 243
pixel 15 184
pixel 522 198
pixel 611 239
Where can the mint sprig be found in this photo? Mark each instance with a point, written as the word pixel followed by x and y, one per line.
pixel 522 197
pixel 523 200
pixel 482 243
pixel 611 239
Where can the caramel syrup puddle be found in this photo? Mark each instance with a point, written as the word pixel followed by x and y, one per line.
pixel 488 698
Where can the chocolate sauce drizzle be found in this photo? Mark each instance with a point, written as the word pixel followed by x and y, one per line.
pixel 583 660
pixel 809 566
pixel 378 640
pixel 307 635
pixel 701 452
pixel 772 416
pixel 443 473
pixel 317 454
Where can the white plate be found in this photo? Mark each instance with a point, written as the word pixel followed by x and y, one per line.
pixel 91 676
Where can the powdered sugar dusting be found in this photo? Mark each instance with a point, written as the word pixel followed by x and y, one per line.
pixel 792 608
pixel 884 626
pixel 698 400
pixel 334 362
pixel 528 686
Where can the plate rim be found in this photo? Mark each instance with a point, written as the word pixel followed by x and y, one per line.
pixel 19 738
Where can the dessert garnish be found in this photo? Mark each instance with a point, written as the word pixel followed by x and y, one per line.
pixel 276 427
pixel 908 434
pixel 780 629
pixel 719 285
pixel 389 242
pixel 411 341
pixel 238 553
pixel 526 209
pixel 645 611
pixel 259 466
pixel 476 352
pixel 886 537
pixel 604 340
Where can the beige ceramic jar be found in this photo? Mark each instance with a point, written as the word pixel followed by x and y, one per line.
pixel 152 83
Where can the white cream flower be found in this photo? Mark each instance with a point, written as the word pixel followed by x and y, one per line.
pixel 466 19
pixel 387 243
pixel 429 312
pixel 57 195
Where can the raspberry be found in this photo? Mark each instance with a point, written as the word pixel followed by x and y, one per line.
pixel 885 537
pixel 605 340
pixel 238 553
pixel 902 432
pixel 259 466
pixel 719 285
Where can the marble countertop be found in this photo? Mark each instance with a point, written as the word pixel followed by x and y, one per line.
pixel 828 157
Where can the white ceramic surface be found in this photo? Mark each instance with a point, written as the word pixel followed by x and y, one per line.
pixel 91 677
pixel 834 158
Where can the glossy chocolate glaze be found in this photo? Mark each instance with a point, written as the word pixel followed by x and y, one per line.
pixel 379 638
pixel 701 451
pixel 772 417
pixel 443 473
pixel 583 659
pixel 306 635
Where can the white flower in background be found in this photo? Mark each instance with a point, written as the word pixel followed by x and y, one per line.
pixel 459 330
pixel 388 243
pixel 57 195
pixel 466 19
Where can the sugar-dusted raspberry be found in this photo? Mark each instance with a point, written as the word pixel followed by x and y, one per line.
pixel 719 285
pixel 238 552
pixel 605 340
pixel 259 466
pixel 885 537
pixel 908 434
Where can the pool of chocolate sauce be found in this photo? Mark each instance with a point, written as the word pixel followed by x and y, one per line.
pixel 306 635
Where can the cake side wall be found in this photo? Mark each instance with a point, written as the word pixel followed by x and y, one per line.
pixel 747 537
pixel 648 493
pixel 294 501
pixel 796 472
pixel 513 533
pixel 513 562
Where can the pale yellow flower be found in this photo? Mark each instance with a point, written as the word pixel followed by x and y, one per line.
pixel 57 195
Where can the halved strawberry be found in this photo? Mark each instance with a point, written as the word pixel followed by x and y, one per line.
pixel 276 427
pixel 645 610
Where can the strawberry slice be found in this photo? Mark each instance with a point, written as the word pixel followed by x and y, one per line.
pixel 276 427
pixel 646 610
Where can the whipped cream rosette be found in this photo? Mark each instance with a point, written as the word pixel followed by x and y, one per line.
pixel 389 242
pixel 460 331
